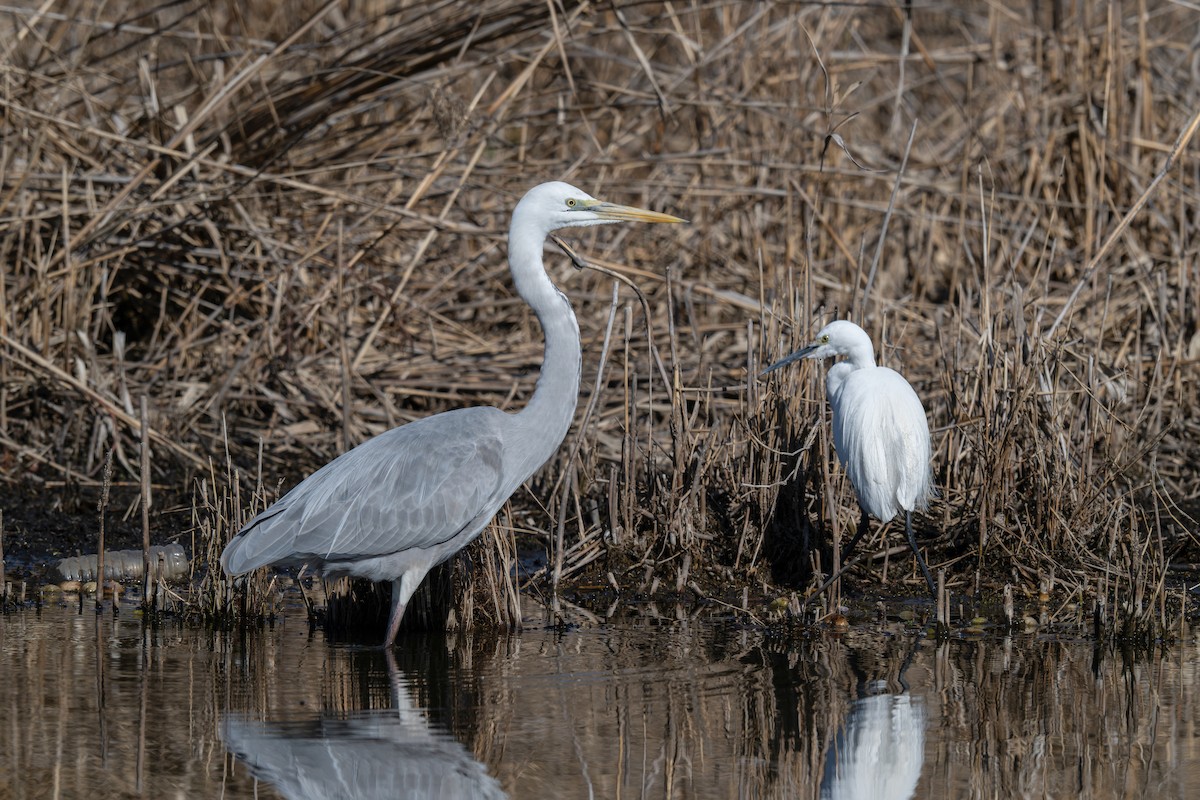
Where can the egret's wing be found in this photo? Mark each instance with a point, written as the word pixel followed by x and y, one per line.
pixel 882 438
pixel 909 444
pixel 417 485
pixel 880 752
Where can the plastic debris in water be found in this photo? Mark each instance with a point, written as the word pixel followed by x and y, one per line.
pixel 169 561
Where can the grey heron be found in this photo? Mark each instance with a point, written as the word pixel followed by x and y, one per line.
pixel 879 431
pixel 361 754
pixel 411 497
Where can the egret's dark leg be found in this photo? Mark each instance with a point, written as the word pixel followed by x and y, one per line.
pixel 397 615
pixel 912 542
pixel 863 525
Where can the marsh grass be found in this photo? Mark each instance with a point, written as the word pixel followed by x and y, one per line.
pixel 219 511
pixel 296 223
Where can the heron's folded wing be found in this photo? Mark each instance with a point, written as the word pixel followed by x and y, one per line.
pixel 413 486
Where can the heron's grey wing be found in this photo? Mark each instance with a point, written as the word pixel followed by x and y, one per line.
pixel 366 756
pixel 417 485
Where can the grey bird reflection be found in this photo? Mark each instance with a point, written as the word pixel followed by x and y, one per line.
pixel 879 754
pixel 368 754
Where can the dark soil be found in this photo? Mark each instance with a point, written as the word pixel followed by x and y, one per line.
pixel 44 525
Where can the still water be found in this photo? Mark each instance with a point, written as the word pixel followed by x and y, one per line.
pixel 636 707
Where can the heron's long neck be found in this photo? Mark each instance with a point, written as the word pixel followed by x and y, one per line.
pixel 552 407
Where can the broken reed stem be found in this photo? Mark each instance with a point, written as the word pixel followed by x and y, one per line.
pixel 102 507
pixel 147 600
pixel 139 770
pixel 3 574
pixel 101 689
pixel 943 605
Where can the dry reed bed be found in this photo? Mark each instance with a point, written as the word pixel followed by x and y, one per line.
pixel 295 224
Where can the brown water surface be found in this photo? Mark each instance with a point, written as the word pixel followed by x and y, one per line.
pixel 637 707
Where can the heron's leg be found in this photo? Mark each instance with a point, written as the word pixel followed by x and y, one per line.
pixel 912 542
pixel 398 606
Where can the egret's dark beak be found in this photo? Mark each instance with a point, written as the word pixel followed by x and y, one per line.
pixel 796 356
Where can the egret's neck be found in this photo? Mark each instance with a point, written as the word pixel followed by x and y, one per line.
pixel 834 379
pixel 552 407
pixel 859 356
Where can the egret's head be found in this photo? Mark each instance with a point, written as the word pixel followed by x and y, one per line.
pixel 838 338
pixel 554 205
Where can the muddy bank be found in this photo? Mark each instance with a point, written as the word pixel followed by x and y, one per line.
pixel 44 525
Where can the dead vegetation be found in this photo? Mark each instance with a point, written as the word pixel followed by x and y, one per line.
pixel 292 224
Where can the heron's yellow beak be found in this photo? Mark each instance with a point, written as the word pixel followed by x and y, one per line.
pixel 627 213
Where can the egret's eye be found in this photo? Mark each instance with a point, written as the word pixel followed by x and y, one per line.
pixel 572 202
pixel 825 339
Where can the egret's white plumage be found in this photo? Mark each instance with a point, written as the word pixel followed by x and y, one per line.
pixel 879 753
pixel 879 429
pixel 408 499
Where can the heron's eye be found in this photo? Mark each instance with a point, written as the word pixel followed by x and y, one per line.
pixel 572 202
pixel 825 339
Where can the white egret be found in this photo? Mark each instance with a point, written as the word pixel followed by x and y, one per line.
pixel 408 499
pixel 879 753
pixel 879 431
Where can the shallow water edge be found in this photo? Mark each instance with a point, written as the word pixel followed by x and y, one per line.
pixel 102 706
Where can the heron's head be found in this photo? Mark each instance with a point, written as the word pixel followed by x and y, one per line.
pixel 554 205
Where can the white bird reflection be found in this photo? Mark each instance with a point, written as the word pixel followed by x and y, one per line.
pixel 368 754
pixel 878 755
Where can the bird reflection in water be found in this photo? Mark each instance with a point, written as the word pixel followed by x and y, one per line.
pixel 385 753
pixel 878 755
